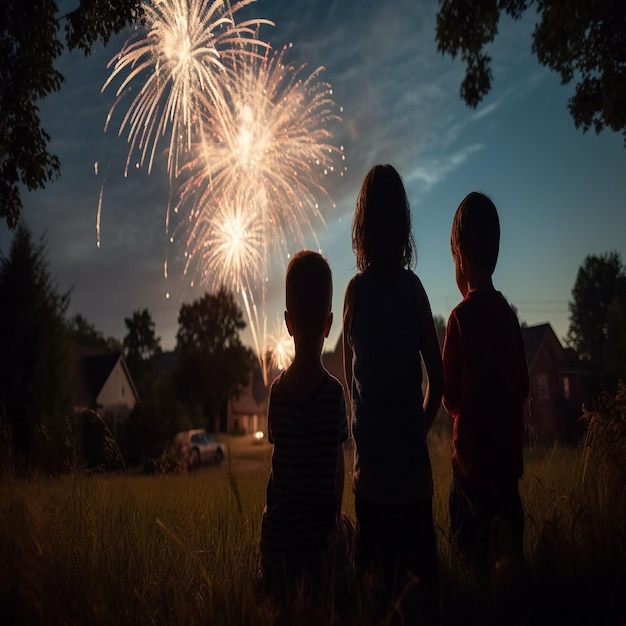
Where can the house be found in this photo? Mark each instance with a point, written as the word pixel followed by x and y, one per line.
pixel 557 387
pixel 247 412
pixel 103 383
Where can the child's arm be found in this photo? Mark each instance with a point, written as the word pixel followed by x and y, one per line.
pixel 340 478
pixel 431 353
pixel 452 366
pixel 348 311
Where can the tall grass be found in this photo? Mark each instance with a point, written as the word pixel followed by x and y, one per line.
pixel 183 549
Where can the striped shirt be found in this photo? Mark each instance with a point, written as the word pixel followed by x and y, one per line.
pixel 299 521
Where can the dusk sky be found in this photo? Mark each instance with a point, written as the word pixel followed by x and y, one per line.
pixel 561 194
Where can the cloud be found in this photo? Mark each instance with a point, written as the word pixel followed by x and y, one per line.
pixel 435 171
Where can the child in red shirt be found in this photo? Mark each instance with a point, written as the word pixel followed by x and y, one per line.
pixel 486 386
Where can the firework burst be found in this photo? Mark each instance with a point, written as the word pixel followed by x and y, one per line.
pixel 267 147
pixel 250 146
pixel 280 346
pixel 230 244
pixel 180 57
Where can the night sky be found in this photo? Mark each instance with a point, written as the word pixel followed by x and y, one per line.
pixel 561 194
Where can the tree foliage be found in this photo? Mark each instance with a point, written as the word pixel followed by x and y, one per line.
pixel 35 358
pixel 598 316
pixel 213 364
pixel 84 333
pixel 581 40
pixel 31 41
pixel 141 344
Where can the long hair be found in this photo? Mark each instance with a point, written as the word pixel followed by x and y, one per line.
pixel 381 230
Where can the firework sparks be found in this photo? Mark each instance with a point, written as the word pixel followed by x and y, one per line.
pixel 280 346
pixel 265 149
pixel 181 56
pixel 249 146
pixel 230 243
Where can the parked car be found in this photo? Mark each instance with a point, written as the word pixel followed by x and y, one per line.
pixel 197 447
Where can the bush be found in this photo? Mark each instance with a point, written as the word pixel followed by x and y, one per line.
pixel 605 448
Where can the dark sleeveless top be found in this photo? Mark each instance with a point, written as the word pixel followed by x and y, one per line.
pixel 391 461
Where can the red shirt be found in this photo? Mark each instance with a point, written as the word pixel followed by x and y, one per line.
pixel 486 386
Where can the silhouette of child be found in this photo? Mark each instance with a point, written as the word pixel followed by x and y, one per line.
pixel 307 425
pixel 387 330
pixel 486 385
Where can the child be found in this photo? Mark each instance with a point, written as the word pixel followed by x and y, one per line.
pixel 307 425
pixel 388 329
pixel 486 385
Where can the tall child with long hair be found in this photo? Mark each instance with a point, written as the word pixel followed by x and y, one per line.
pixel 388 330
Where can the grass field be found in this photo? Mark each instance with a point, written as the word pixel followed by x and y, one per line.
pixel 183 549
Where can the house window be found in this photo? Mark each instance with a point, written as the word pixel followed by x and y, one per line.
pixel 566 387
pixel 541 387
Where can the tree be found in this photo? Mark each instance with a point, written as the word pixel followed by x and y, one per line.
pixel 598 316
pixel 614 367
pixel 84 333
pixel 579 39
pixel 35 359
pixel 158 415
pixel 30 43
pixel 213 364
pixel 141 345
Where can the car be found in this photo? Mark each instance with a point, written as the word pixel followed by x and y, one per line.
pixel 197 447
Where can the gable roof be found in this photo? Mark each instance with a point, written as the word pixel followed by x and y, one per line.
pixel 92 369
pixel 543 337
pixel 533 336
pixel 97 369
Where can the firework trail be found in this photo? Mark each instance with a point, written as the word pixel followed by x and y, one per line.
pixel 182 56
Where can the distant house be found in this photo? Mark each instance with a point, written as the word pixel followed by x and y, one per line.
pixel 103 383
pixel 247 412
pixel 557 387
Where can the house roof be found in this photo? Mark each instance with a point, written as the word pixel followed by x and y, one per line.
pixel 92 369
pixel 97 369
pixel 543 336
pixel 533 336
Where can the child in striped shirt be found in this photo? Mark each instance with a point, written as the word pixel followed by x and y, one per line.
pixel 307 426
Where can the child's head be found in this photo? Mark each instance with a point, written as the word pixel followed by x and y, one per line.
pixel 381 231
pixel 309 293
pixel 476 232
